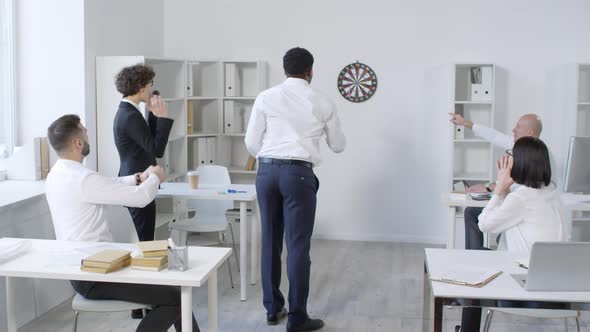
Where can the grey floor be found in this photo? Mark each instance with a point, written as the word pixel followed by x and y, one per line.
pixel 355 286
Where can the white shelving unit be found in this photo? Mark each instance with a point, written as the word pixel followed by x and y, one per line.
pixel 474 100
pixel 209 100
pixel 583 101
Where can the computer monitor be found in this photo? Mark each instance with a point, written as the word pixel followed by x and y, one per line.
pixel 577 169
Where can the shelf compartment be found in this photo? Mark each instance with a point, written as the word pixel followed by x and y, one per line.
pixel 234 154
pixel 203 79
pixel 240 79
pixel 583 120
pixel 474 83
pixel 170 78
pixel 472 161
pixel 236 114
pixel 477 113
pixel 202 116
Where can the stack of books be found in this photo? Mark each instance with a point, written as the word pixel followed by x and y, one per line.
pixel 106 261
pixel 154 256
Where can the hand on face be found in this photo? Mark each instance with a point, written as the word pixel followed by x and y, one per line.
pixel 158 106
pixel 504 166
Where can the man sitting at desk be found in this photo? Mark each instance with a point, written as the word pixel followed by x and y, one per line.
pixel 76 196
pixel 527 125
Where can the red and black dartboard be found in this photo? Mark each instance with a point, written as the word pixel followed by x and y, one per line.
pixel 357 82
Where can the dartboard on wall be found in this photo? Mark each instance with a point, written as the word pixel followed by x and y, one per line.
pixel 357 82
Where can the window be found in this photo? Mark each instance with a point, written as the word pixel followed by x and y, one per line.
pixel 7 79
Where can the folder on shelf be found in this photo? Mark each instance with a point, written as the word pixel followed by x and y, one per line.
pixel 232 80
pixel 486 84
pixel 228 117
pixel 211 151
pixel 476 85
pixel 201 151
pixel 189 117
pixel 467 277
pixel 251 163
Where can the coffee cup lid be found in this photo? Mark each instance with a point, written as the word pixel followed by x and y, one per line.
pixel 192 173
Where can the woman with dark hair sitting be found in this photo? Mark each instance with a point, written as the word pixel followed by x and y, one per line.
pixel 529 213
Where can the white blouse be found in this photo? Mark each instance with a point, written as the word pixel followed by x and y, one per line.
pixel 524 216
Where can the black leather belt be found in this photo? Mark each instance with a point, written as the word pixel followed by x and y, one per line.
pixel 265 160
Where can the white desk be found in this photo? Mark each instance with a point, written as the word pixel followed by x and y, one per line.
pixel 13 191
pixel 170 189
pixel 453 205
pixel 504 287
pixel 52 259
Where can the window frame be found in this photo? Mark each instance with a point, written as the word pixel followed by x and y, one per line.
pixel 8 59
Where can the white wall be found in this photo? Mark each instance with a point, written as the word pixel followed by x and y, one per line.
pixel 117 27
pixel 390 182
pixel 50 58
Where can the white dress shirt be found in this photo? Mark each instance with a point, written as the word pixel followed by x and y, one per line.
pixel 524 216
pixel 506 142
pixel 76 196
pixel 288 120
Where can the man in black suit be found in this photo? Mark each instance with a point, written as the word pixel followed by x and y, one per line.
pixel 138 142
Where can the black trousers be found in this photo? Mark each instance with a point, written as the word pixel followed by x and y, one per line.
pixel 144 220
pixel 164 299
pixel 287 200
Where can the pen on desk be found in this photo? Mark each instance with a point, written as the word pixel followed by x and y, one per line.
pixel 523 266
pixel 233 191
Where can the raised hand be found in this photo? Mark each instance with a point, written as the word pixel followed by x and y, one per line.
pixel 158 107
pixel 458 119
pixel 504 166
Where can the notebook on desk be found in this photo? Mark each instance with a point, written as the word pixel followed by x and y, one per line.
pixel 557 266
pixel 467 277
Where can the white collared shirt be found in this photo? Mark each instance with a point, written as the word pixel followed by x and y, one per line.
pixel 76 196
pixel 288 120
pixel 506 142
pixel 524 216
pixel 132 103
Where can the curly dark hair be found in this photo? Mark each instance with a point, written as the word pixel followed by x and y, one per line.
pixel 131 79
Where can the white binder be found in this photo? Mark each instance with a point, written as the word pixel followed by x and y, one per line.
pixel 201 153
pixel 228 117
pixel 211 151
pixel 486 84
pixel 232 80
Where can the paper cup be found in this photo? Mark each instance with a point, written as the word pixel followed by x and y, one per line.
pixel 193 179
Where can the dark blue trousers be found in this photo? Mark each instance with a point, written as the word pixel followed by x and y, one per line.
pixel 287 200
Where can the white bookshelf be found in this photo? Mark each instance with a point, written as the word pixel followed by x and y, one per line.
pixel 583 101
pixel 473 98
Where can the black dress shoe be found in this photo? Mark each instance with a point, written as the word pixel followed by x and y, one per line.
pixel 308 325
pixel 137 314
pixel 274 319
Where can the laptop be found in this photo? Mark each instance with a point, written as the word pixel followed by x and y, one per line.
pixel 557 266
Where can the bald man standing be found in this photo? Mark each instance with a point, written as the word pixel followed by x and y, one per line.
pixel 527 125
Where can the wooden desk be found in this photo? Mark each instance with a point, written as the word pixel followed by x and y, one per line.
pixel 53 259
pixel 504 287
pixel 170 189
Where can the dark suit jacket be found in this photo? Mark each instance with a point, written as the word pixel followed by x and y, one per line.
pixel 138 143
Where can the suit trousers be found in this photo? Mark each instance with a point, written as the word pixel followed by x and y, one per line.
pixel 164 299
pixel 287 201
pixel 144 220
